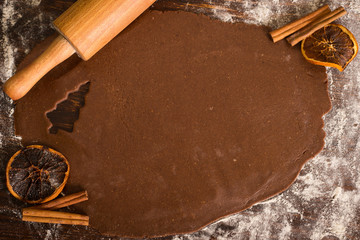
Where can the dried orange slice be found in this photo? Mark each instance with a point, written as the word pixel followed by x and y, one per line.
pixel 331 46
pixel 37 174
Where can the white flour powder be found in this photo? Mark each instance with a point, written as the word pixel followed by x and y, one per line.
pixel 331 177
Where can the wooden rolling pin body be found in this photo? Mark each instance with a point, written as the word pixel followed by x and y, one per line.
pixel 87 26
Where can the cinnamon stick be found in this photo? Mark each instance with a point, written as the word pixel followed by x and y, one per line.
pixel 55 220
pixel 292 27
pixel 46 216
pixel 39 214
pixel 64 201
pixel 316 25
pixel 32 212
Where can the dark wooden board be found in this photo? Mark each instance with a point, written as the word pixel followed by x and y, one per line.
pixel 313 218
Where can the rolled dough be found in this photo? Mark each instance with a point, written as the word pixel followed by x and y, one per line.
pixel 187 120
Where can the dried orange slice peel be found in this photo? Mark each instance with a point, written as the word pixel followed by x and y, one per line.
pixel 331 46
pixel 37 174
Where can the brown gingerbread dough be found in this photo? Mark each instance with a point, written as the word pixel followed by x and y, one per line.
pixel 187 119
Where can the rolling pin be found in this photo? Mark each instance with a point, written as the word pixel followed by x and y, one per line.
pixel 86 27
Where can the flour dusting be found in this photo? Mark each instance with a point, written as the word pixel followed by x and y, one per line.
pixel 332 176
pixel 330 180
pixel 8 66
pixel 223 15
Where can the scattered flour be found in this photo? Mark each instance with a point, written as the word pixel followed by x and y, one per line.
pixel 325 175
pixel 8 68
pixel 223 15
pixel 48 235
pixel 331 177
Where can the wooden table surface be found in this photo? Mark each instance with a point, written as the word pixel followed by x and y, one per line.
pixel 323 203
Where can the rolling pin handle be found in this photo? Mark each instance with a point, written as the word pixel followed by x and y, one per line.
pixel 19 84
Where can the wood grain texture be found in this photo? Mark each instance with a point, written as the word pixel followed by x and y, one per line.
pixel 21 83
pixel 332 179
pixel 104 20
